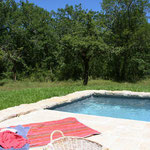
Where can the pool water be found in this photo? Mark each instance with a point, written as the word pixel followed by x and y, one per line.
pixel 117 107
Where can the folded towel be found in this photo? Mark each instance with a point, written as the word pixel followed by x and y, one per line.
pixel 10 139
pixel 17 145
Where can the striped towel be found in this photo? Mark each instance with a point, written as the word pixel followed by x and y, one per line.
pixel 39 133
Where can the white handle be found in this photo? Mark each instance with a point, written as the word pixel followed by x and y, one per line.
pixel 51 137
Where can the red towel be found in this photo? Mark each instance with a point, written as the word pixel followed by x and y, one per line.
pixel 10 139
pixel 39 133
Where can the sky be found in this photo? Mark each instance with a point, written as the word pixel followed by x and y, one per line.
pixel 49 5
pixel 55 4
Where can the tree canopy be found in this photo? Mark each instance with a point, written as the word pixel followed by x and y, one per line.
pixel 74 43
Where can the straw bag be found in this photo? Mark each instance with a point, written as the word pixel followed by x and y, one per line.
pixel 72 143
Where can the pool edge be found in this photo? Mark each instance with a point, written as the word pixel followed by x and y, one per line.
pixel 54 101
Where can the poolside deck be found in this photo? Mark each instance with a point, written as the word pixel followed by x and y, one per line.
pixel 117 134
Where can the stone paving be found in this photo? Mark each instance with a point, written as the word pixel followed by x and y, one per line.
pixel 117 134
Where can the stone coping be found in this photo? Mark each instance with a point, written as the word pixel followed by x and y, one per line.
pixel 54 101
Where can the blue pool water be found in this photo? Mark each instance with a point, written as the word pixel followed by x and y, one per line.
pixel 127 108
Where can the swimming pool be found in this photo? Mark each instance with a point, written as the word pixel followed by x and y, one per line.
pixel 117 107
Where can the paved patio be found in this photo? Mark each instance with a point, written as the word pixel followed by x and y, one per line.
pixel 117 134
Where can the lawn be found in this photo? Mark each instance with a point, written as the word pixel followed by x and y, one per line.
pixel 22 92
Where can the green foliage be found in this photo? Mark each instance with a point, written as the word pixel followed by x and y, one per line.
pixel 1 62
pixel 127 21
pixel 73 43
pixel 84 41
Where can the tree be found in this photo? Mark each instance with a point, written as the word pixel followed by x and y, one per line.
pixel 84 41
pixel 27 37
pixel 124 19
pixel 11 34
pixel 41 45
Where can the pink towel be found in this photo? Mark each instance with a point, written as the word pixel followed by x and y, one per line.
pixel 10 139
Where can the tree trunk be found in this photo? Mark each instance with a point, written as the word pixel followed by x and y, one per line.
pixel 14 76
pixel 124 68
pixel 14 72
pixel 86 71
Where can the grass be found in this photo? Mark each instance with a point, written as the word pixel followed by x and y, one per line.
pixel 22 92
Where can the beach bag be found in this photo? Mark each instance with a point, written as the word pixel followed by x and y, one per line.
pixel 71 143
